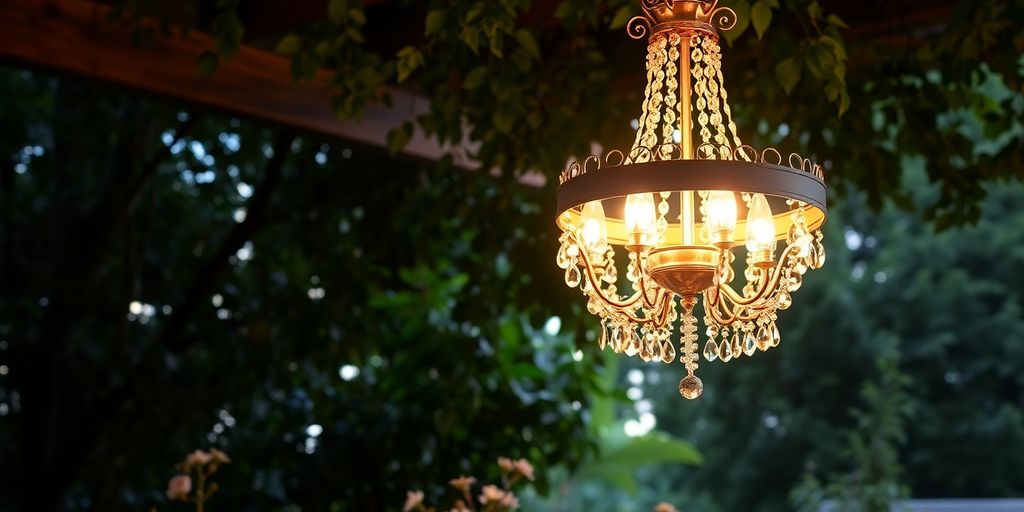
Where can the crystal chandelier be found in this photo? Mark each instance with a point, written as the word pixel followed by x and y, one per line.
pixel 683 203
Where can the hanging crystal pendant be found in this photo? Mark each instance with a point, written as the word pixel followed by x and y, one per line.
pixel 668 352
pixel 710 350
pixel 764 338
pixel 749 343
pixel 785 300
pixel 572 276
pixel 725 351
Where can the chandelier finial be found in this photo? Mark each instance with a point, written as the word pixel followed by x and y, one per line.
pixel 701 15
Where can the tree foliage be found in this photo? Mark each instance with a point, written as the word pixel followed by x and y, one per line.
pixel 174 278
pixel 897 372
pixel 178 279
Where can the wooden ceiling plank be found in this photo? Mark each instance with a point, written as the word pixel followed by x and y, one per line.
pixel 74 36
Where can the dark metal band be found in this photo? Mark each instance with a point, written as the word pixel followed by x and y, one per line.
pixel 672 175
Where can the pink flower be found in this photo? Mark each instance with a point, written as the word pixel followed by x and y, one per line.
pixel 665 507
pixel 178 487
pixel 491 494
pixel 524 468
pixel 197 458
pixel 219 457
pixel 509 501
pixel 413 499
pixel 462 483
pixel 460 506
pixel 506 464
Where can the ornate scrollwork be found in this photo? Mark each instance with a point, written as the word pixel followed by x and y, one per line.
pixel 705 14
pixel 722 18
pixel 638 27
pixel 706 151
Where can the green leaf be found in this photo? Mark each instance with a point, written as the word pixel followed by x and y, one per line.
pixel 814 10
pixel 787 72
pixel 357 16
pixel 761 17
pixel 475 78
pixel 355 35
pixel 399 138
pixel 844 102
pixel 336 10
pixel 289 45
pixel 622 16
pixel 208 63
pixel 656 448
pixel 616 465
pixel 435 19
pixel 409 60
pixel 837 47
pixel 821 60
pixel 528 42
pixel 836 21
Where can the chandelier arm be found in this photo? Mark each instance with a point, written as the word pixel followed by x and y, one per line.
pixel 652 319
pixel 643 287
pixel 724 315
pixel 621 305
pixel 774 282
pixel 627 304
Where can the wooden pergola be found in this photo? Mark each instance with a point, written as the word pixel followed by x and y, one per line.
pixel 75 36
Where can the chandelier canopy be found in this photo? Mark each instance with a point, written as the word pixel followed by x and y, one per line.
pixel 682 203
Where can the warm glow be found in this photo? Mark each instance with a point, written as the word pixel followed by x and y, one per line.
pixel 640 216
pixel 594 232
pixel 721 211
pixel 760 226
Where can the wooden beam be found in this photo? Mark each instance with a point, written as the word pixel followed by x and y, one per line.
pixel 74 36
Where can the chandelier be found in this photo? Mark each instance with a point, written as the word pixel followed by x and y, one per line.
pixel 685 202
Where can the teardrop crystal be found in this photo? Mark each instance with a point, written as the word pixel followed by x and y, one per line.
pixel 617 340
pixel 668 352
pixel 764 339
pixel 819 255
pixel 725 351
pixel 562 259
pixel 663 207
pixel 602 342
pixel 572 276
pixel 646 354
pixel 749 343
pixel 711 351
pixel 633 344
pixel 611 274
pixel 776 337
pixel 737 344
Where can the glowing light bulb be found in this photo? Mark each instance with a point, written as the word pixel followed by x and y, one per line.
pixel 721 215
pixel 594 232
pixel 641 218
pixel 760 226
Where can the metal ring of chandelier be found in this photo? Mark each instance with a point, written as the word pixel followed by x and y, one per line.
pixel 654 177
